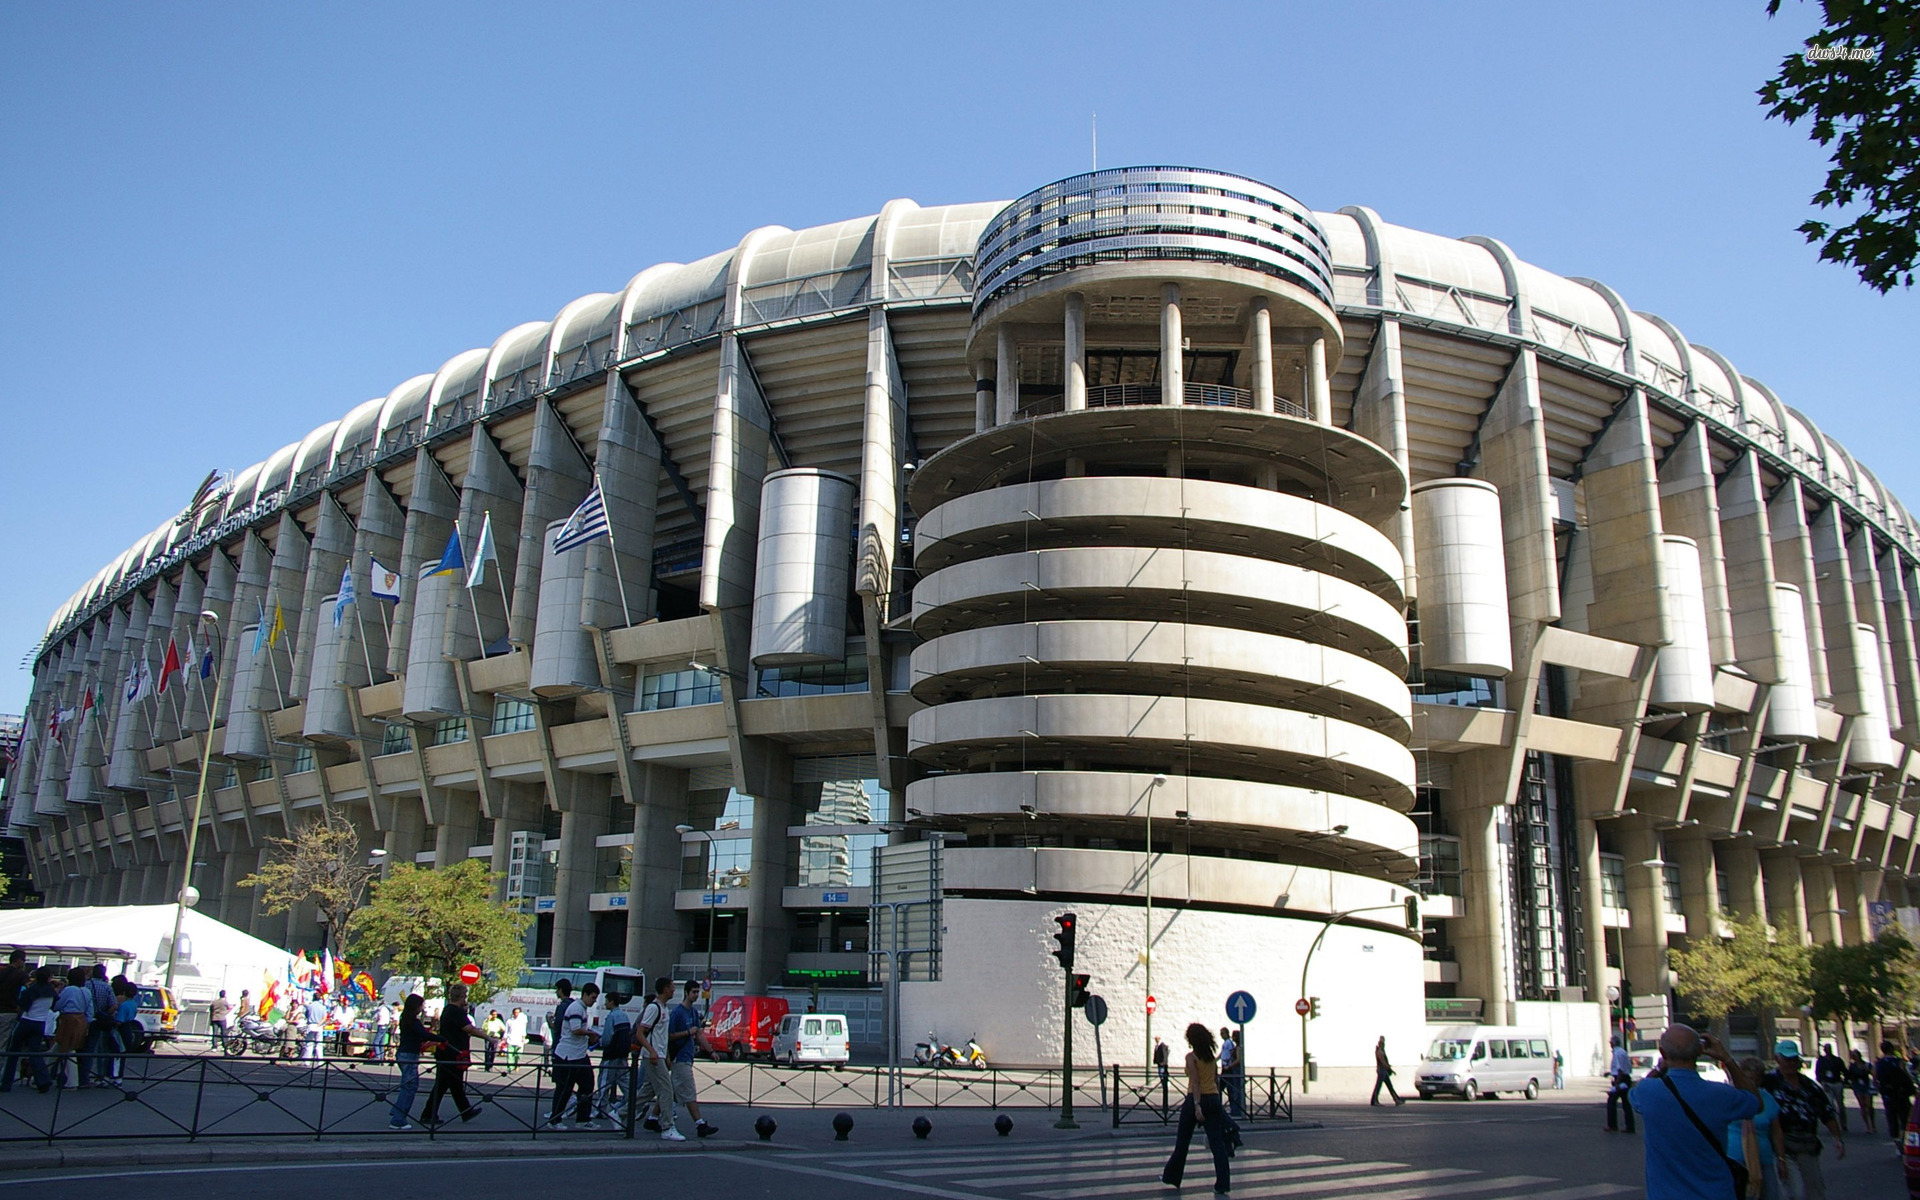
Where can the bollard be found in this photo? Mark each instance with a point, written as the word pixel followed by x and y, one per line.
pixel 765 1127
pixel 842 1126
pixel 922 1127
pixel 1003 1124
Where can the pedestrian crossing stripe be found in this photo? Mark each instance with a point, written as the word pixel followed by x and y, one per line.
pixel 1089 1169
pixel 1240 1175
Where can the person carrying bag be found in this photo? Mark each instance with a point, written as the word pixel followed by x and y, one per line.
pixel 1738 1169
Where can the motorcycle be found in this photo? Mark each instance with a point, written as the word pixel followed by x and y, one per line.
pixel 935 1053
pixel 930 1052
pixel 973 1056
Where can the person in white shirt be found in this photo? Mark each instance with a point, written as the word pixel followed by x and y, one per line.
pixel 1620 1069
pixel 382 1029
pixel 655 1092
pixel 316 1018
pixel 573 1043
pixel 516 1038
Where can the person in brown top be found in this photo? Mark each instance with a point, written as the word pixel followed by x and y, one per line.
pixel 1202 1106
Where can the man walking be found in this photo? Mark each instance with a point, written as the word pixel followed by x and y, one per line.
pixel 382 1029
pixel 217 1015
pixel 316 1018
pixel 683 1024
pixel 1383 1075
pixel 616 1049
pixel 1687 1117
pixel 1160 1055
pixel 103 1038
pixel 1232 1077
pixel 1895 1082
pixel 656 1089
pixel 1619 1083
pixel 1803 1109
pixel 572 1044
pixel 1830 1072
pixel 516 1038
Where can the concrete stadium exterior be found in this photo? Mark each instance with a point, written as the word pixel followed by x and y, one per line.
pixel 1151 547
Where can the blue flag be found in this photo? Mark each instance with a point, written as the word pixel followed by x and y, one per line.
pixel 346 596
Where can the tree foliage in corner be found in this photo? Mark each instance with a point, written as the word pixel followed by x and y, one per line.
pixel 1859 84
pixel 323 863
pixel 430 923
pixel 1865 981
pixel 1752 970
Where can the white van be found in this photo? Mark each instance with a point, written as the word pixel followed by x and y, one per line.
pixel 812 1039
pixel 1470 1061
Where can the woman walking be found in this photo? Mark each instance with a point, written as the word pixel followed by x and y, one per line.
pixel 1202 1106
pixel 1860 1079
pixel 413 1037
pixel 451 1060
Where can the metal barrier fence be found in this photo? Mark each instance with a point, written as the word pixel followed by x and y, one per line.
pixel 211 1095
pixel 1150 1097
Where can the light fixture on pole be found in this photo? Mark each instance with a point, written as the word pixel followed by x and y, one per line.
pixel 712 896
pixel 189 896
pixel 1146 954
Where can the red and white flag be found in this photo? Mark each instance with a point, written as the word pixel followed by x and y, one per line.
pixel 169 665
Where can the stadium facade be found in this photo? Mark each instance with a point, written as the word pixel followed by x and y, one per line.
pixel 1152 548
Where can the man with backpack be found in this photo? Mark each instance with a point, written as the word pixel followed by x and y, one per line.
pixel 572 1046
pixel 656 1090
pixel 1804 1108
pixel 616 1048
pixel 1895 1082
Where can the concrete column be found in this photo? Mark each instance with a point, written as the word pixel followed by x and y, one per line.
pixel 1746 540
pixel 522 806
pixel 1262 355
pixel 1690 507
pixel 1006 379
pixel 1691 850
pixel 1746 887
pixel 655 931
pixel 1173 351
pixel 1380 416
pixel 1786 893
pixel 984 389
pixel 1593 924
pixel 1076 357
pixel 1646 940
pixel 768 928
pixel 575 874
pixel 406 833
pixel 1793 563
pixel 457 829
pixel 1319 394
pixel 1481 941
pixel 1825 923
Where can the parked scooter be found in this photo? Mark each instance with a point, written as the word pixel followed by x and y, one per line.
pixel 930 1052
pixel 973 1056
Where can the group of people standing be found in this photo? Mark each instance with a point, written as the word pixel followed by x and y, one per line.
pixel 50 1019
pixel 662 1041
pixel 1890 1077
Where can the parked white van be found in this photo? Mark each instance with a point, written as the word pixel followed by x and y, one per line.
pixel 812 1039
pixel 1470 1061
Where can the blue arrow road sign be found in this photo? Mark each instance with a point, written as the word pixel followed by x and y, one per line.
pixel 1240 1007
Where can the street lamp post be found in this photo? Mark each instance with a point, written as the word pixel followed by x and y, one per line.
pixel 181 901
pixel 1146 954
pixel 1329 923
pixel 713 887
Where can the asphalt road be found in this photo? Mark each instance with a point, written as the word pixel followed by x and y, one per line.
pixel 1551 1149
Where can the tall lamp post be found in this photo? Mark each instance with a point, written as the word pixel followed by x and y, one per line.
pixel 1329 923
pixel 1146 954
pixel 188 896
pixel 713 887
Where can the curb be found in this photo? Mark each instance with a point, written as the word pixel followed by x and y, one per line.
pixel 376 1149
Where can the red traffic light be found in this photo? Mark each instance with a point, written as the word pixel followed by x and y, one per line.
pixel 1065 937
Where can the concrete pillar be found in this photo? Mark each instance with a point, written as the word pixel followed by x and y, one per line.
pixel 1646 941
pixel 768 927
pixel 1825 922
pixel 1076 356
pixel 984 389
pixel 1173 351
pixel 1481 941
pixel 1319 394
pixel 456 830
pixel 522 806
pixel 1793 563
pixel 1691 850
pixel 1746 886
pixel 1006 379
pixel 558 479
pixel 1786 893
pixel 1746 541
pixel 655 930
pixel 1593 925
pixel 406 831
pixel 576 872
pixel 1262 355
pixel 1690 507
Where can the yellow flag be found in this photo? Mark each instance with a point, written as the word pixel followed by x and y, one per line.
pixel 279 624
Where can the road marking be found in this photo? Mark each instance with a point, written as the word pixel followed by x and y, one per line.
pixel 1197 1169
pixel 1258 1176
pixel 898 1185
pixel 1052 1162
pixel 910 1158
pixel 1482 1186
pixel 1082 1170
pixel 1583 1192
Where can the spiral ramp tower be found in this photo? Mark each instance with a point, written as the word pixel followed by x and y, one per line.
pixel 1163 645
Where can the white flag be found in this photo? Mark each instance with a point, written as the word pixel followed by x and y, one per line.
pixel 483 554
pixel 383 584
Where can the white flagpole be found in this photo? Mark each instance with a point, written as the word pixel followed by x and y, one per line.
pixel 613 551
pixel 506 605
pixel 472 605
pixel 360 620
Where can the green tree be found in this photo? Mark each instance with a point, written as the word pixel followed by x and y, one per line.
pixel 322 863
pixel 432 922
pixel 1865 981
pixel 1859 84
pixel 1753 970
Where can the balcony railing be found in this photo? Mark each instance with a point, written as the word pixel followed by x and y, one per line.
pixel 1134 395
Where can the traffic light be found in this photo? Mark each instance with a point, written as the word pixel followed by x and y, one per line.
pixel 1413 912
pixel 1066 922
pixel 1077 990
pixel 1313 1006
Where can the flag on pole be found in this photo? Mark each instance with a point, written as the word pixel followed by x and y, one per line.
pixel 206 662
pixel 383 584
pixel 483 554
pixel 326 971
pixel 279 624
pixel 139 683
pixel 346 596
pixel 450 561
pixel 260 630
pixel 588 522
pixel 86 703
pixel 191 659
pixel 169 665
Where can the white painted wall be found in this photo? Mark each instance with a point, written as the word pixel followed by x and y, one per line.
pixel 1002 983
pixel 1577 1030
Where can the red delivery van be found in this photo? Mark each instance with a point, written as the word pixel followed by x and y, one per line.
pixel 742 1027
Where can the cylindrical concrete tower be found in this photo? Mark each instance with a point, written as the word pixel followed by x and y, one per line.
pixel 802 569
pixel 1683 672
pixel 1164 648
pixel 1462 567
pixel 1790 713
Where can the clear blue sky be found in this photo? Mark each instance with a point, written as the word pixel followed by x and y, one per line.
pixel 223 225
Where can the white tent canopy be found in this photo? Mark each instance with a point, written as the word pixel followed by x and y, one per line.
pixel 136 939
